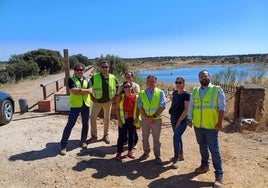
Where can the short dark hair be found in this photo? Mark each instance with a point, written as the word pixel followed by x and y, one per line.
pixel 104 61
pixel 79 65
pixel 203 71
pixel 126 82
pixel 151 76
pixel 181 78
pixel 129 72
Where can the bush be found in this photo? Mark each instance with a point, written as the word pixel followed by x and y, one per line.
pixel 4 77
pixel 230 76
pixel 22 70
pixel 48 61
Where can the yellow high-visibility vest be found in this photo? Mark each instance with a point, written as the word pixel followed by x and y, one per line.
pixel 151 107
pixel 97 86
pixel 206 111
pixel 76 101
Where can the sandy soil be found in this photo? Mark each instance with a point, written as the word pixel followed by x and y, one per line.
pixel 30 146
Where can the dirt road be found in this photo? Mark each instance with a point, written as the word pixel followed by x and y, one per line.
pixel 30 145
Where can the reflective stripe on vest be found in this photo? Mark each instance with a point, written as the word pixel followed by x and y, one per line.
pixel 206 111
pixel 76 101
pixel 97 86
pixel 151 107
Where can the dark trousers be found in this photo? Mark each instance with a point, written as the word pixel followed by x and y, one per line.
pixel 126 133
pixel 136 138
pixel 73 115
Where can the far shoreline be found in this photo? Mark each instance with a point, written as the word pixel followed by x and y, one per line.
pixel 186 65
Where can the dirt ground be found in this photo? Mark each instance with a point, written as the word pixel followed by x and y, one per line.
pixel 30 145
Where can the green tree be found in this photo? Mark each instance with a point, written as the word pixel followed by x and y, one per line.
pixel 72 61
pixel 79 58
pixel 83 59
pixel 49 61
pixel 117 66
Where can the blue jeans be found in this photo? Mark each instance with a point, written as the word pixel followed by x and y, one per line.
pixel 208 140
pixel 73 115
pixel 177 134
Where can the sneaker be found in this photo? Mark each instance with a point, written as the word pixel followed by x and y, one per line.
pixel 131 155
pixel 176 164
pixel 202 169
pixel 144 156
pixel 158 161
pixel 63 151
pixel 181 158
pixel 118 156
pixel 92 140
pixel 83 145
pixel 106 139
pixel 218 183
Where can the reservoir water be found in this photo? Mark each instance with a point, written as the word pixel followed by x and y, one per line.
pixel 191 73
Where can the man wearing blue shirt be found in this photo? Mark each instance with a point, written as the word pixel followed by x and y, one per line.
pixel 151 103
pixel 205 112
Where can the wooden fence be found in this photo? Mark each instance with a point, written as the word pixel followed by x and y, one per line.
pixel 230 91
pixel 227 88
pixel 56 82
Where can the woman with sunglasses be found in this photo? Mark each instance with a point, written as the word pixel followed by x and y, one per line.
pixel 127 113
pixel 178 116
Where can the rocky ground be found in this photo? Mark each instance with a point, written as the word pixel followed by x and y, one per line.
pixel 30 146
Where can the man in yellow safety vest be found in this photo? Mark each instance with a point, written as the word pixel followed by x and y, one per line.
pixel 104 87
pixel 205 112
pixel 151 103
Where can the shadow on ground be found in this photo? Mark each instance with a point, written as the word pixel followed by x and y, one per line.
pixel 93 158
pixel 51 150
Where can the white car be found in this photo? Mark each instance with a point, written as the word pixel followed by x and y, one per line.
pixel 6 108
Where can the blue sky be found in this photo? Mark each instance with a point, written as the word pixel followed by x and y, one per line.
pixel 134 28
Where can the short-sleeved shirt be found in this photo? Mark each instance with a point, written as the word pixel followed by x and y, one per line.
pixel 177 105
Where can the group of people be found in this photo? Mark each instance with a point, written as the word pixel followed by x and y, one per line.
pixel 203 109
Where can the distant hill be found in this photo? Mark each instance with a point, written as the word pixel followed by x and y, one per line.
pixel 232 59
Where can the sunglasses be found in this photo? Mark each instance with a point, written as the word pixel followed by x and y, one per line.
pixel 178 82
pixel 127 86
pixel 81 70
pixel 104 67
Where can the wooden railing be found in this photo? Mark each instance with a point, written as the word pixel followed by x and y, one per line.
pixel 44 86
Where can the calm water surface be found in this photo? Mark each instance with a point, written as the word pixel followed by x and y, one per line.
pixel 191 73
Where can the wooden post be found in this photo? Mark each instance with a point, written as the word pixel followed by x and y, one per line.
pixel 67 69
pixel 236 104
